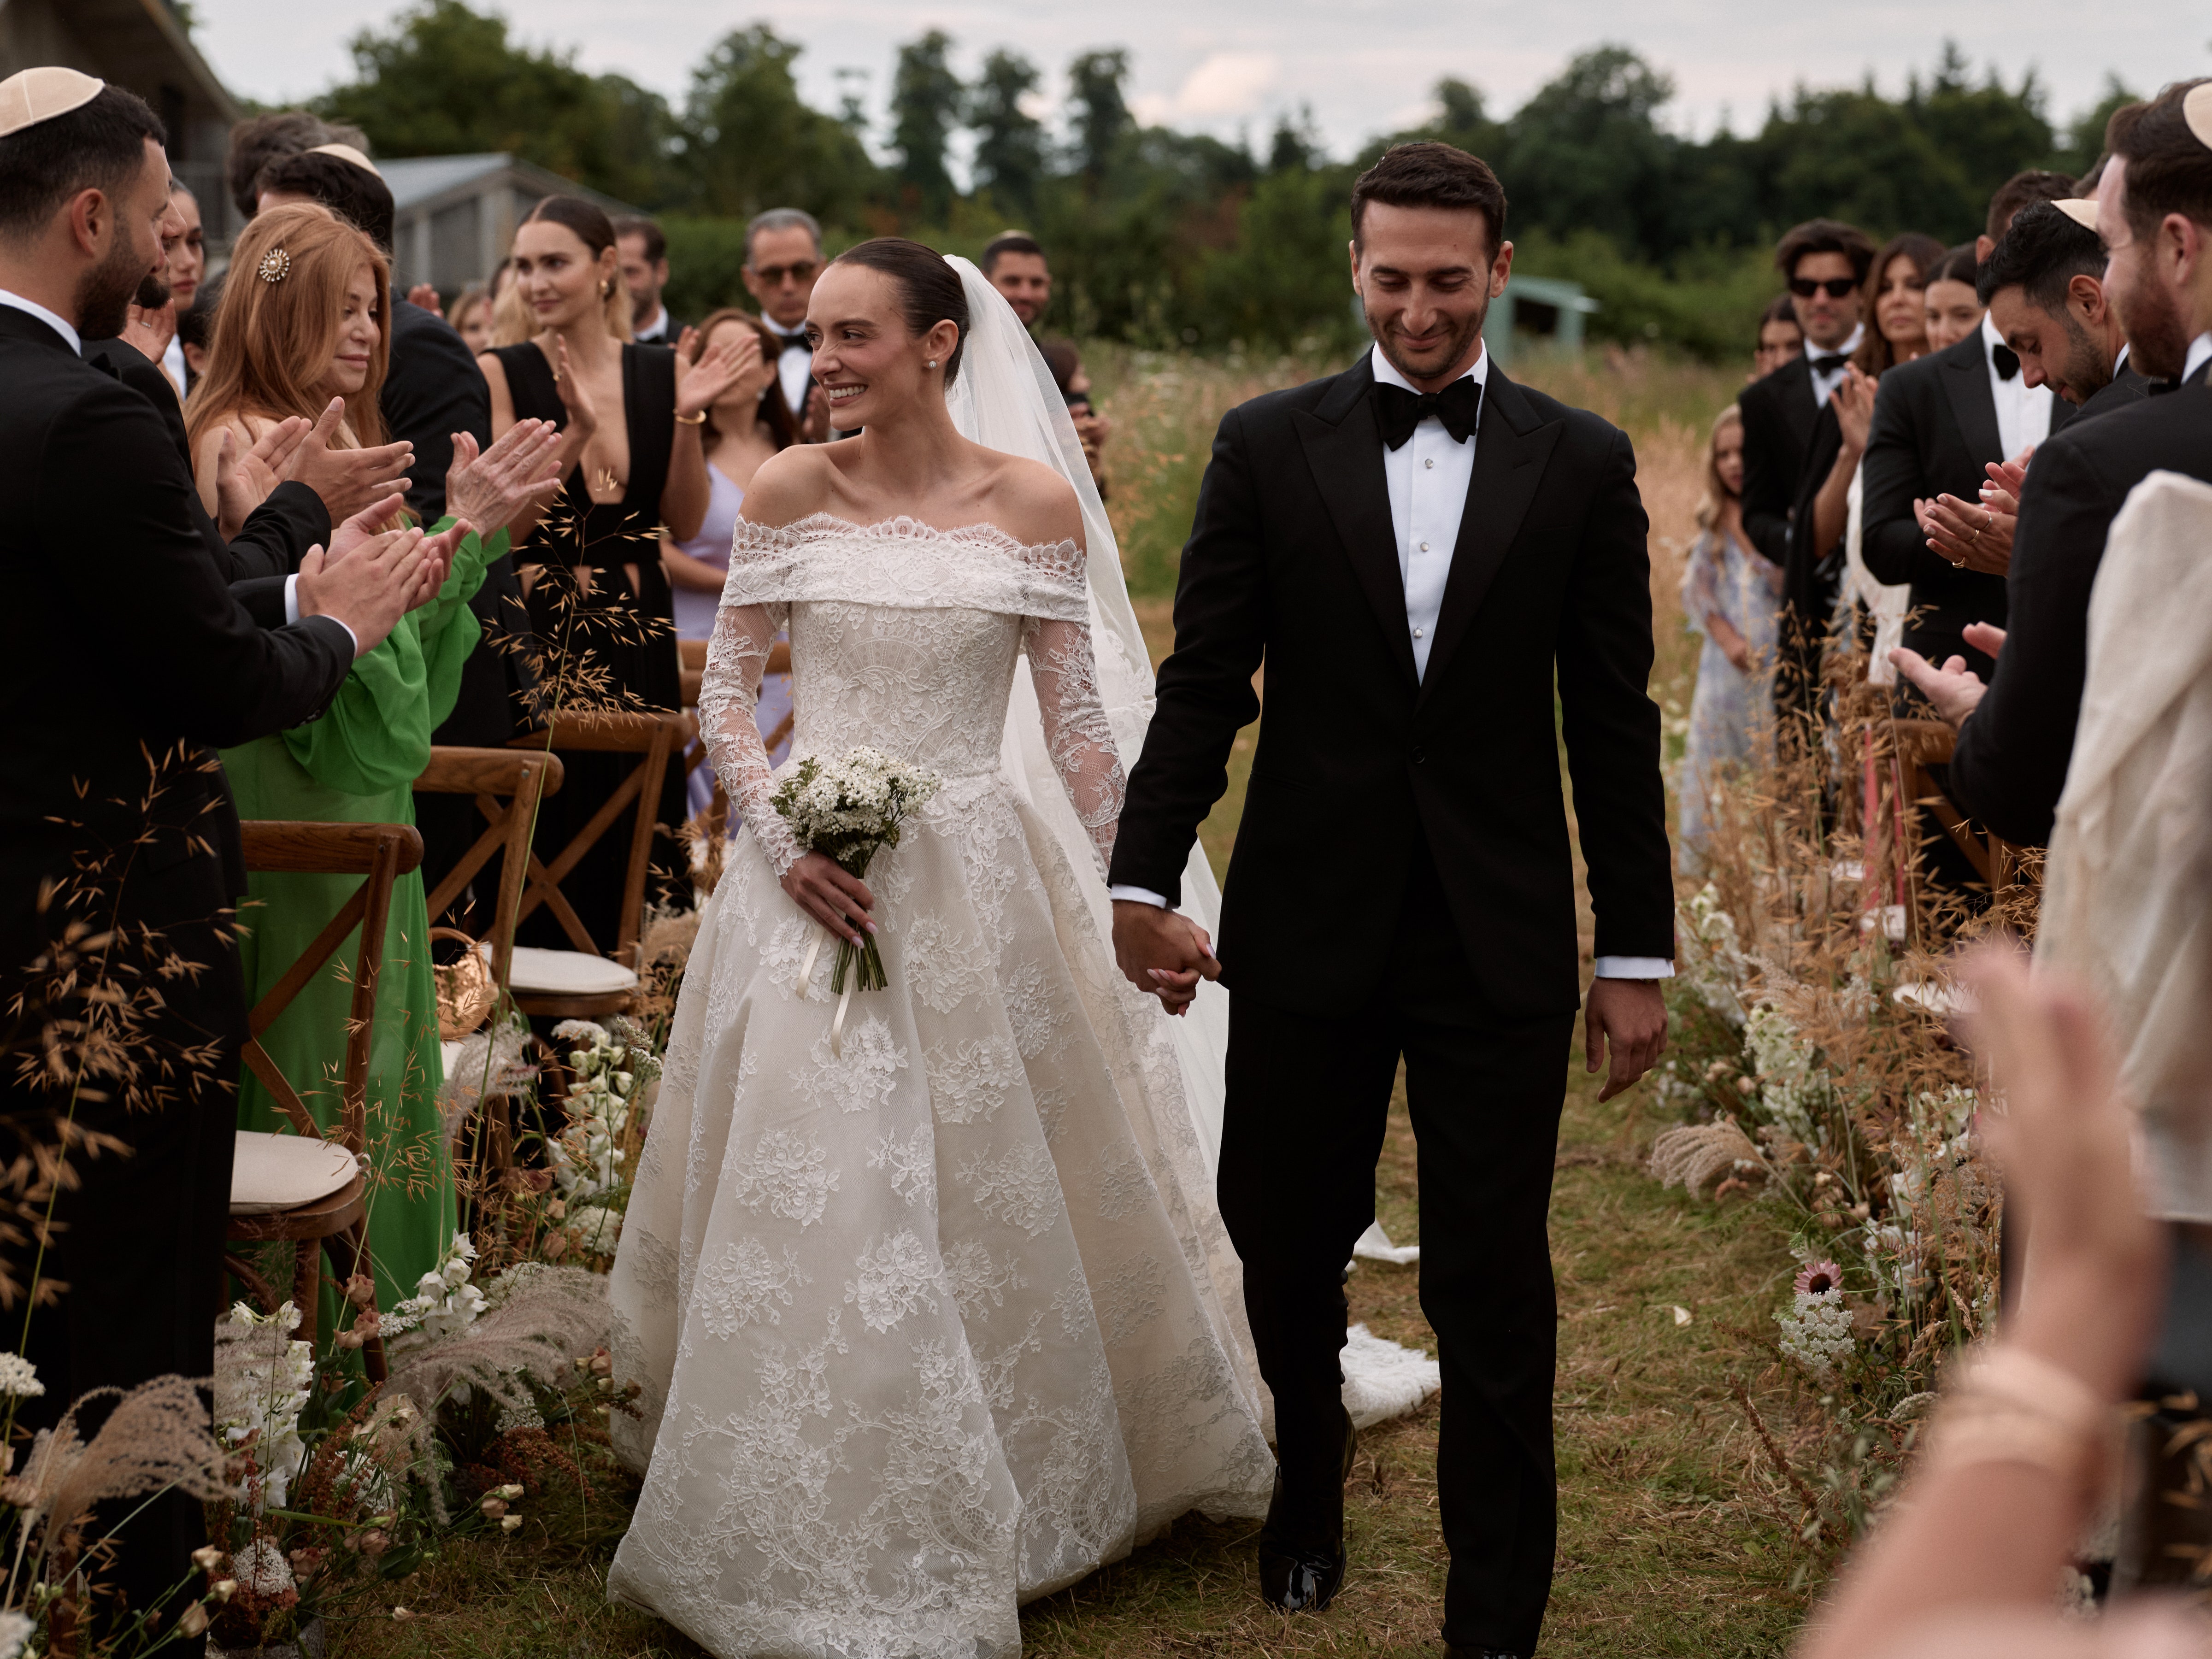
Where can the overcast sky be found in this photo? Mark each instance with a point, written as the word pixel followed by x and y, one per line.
pixel 1364 66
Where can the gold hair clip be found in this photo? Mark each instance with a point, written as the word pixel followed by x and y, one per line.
pixel 276 265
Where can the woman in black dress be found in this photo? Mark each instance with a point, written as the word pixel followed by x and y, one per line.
pixel 629 416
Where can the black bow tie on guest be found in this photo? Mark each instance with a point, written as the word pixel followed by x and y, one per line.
pixel 797 343
pixel 1398 410
pixel 1829 363
pixel 2007 361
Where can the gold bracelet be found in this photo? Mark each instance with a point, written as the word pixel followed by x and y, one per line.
pixel 692 420
pixel 2012 1408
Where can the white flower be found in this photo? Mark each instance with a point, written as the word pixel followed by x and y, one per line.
pixel 1816 1332
pixel 19 1377
pixel 262 1568
pixel 16 1628
pixel 583 1031
pixel 597 1228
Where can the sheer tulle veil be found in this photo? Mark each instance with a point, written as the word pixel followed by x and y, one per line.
pixel 1004 398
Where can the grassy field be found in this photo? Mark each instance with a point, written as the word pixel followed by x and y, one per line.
pixel 1676 1538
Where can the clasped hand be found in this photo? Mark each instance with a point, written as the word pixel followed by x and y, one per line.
pixel 1163 953
pixel 1978 536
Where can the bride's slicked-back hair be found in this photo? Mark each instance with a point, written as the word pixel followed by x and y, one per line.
pixel 929 289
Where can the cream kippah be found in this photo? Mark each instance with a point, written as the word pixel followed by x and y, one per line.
pixel 33 95
pixel 345 152
pixel 2082 210
pixel 2196 110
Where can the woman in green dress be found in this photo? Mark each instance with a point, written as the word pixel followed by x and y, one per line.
pixel 303 324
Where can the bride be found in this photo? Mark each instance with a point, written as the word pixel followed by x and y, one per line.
pixel 939 1317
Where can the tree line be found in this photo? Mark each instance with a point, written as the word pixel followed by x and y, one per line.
pixel 1160 237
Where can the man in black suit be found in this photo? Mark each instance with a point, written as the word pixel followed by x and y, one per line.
pixel 105 753
pixel 2155 218
pixel 642 246
pixel 2043 284
pixel 1940 422
pixel 1414 547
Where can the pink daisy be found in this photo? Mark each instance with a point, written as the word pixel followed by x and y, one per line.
pixel 1819 1276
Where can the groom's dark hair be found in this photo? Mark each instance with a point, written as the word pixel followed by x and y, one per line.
pixel 1432 175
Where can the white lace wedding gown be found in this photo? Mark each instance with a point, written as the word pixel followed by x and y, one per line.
pixel 942 1325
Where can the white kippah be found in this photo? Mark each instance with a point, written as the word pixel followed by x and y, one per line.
pixel 33 95
pixel 2082 210
pixel 2196 110
pixel 345 152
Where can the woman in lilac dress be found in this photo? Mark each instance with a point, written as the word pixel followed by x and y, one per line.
pixel 747 425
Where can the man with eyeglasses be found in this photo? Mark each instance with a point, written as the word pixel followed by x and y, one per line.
pixel 1940 423
pixel 1825 264
pixel 783 256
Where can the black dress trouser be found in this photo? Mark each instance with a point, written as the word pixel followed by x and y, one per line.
pixel 1308 1102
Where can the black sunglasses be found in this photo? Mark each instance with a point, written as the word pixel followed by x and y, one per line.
pixel 799 271
pixel 1805 288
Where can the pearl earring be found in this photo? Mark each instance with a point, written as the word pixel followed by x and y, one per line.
pixel 931 363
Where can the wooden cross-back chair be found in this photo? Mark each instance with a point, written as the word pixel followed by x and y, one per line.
pixel 1924 744
pixel 693 654
pixel 310 1189
pixel 508 785
pixel 593 981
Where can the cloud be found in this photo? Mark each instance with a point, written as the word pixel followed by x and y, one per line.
pixel 1227 83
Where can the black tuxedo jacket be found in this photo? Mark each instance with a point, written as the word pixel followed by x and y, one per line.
pixel 2010 764
pixel 1778 418
pixel 274 538
pixel 1934 432
pixel 1292 558
pixel 123 641
pixel 2125 387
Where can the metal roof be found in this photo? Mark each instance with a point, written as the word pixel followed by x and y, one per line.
pixel 419 182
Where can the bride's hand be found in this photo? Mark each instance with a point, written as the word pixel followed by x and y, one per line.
pixel 841 902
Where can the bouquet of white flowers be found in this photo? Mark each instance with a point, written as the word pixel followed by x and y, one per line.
pixel 850 811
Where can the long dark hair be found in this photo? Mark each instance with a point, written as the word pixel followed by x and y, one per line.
pixel 774 411
pixel 929 289
pixel 1876 354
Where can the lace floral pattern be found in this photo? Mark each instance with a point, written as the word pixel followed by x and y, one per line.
pixel 941 1324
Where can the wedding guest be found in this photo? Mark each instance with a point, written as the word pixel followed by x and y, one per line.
pixel 746 425
pixel 98 525
pixel 1091 429
pixel 2155 216
pixel 1824 265
pixel 1780 338
pixel 1897 291
pixel 783 256
pixel 306 322
pixel 2045 287
pixel 472 319
pixel 1014 263
pixel 1939 423
pixel 1731 595
pixel 187 270
pixel 259 140
pixel 1953 308
pixel 631 419
pixel 644 250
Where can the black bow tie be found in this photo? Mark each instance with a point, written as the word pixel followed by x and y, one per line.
pixel 1828 363
pixel 1398 410
pixel 797 343
pixel 2007 361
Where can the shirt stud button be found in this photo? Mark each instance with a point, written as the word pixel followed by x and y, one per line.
pixel 1425 547
pixel 1417 632
pixel 1431 461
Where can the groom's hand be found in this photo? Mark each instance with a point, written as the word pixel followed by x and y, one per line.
pixel 1163 953
pixel 1625 1021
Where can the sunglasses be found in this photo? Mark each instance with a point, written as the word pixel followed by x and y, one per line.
pixel 1835 287
pixel 773 275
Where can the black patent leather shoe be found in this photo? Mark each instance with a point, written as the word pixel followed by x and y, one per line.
pixel 1302 1576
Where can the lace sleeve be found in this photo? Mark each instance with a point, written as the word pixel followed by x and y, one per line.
pixel 1075 726
pixel 729 695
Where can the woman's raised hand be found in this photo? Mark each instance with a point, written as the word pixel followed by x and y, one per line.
pixel 488 489
pixel 242 483
pixel 583 414
pixel 730 361
pixel 819 886
pixel 1854 401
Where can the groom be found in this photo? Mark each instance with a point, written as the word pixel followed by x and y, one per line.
pixel 1413 546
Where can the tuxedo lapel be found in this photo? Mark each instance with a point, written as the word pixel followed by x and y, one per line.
pixel 1967 385
pixel 1510 449
pixel 1793 392
pixel 1344 447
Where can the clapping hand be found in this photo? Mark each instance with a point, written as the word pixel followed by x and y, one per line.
pixel 1955 688
pixel 242 483
pixel 348 479
pixel 730 362
pixel 1853 402
pixel 1163 953
pixel 425 295
pixel 1977 535
pixel 583 414
pixel 373 585
pixel 814 424
pixel 489 488
pixel 150 328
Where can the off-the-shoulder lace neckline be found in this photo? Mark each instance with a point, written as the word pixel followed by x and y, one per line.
pixel 903 528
